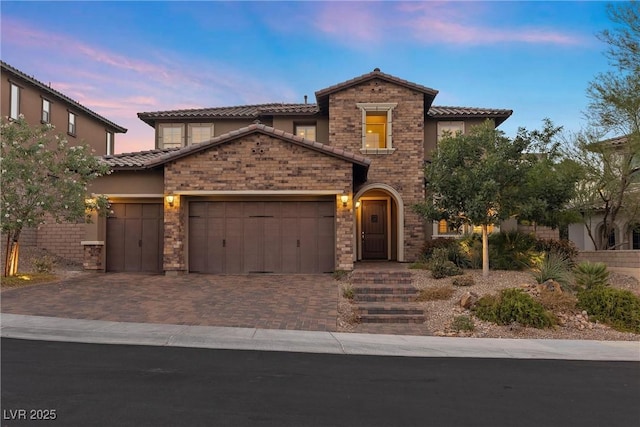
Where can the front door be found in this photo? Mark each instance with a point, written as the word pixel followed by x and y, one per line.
pixel 374 229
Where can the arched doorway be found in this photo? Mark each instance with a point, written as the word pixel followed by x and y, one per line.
pixel 379 223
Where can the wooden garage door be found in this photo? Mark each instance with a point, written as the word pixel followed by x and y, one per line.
pixel 261 237
pixel 135 237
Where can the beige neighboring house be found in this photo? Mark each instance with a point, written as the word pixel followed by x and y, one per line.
pixel 22 94
pixel 282 188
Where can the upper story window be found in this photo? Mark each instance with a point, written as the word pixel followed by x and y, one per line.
pixel 170 135
pixel 72 124
pixel 450 128
pixel 15 102
pixel 200 132
pixel 377 127
pixel 306 131
pixel 109 143
pixel 46 111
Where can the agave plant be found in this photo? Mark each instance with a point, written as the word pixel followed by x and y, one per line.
pixel 553 266
pixel 590 274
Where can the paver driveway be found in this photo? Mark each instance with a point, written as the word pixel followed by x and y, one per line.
pixel 304 302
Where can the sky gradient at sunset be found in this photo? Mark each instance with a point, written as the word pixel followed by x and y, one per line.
pixel 121 58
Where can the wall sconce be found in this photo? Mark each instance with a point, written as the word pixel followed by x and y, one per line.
pixel 358 204
pixel 170 199
pixel 344 199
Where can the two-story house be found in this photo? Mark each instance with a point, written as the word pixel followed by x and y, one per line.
pixel 299 188
pixel 38 103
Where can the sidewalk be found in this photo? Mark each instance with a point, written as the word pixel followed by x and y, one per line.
pixel 216 337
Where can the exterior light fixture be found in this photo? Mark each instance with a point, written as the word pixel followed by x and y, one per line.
pixel 344 199
pixel 170 199
pixel 358 204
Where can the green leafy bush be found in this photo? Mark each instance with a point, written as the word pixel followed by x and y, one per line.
pixel 563 247
pixel 454 252
pixel 513 305
pixel 616 307
pixel 348 292
pixel 589 274
pixel 553 266
pixel 511 250
pixel 462 323
pixel 44 264
pixel 441 266
pixel 463 281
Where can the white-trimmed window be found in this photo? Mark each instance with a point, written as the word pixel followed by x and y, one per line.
pixel 109 143
pixel 71 129
pixel 306 131
pixel 199 132
pixel 46 111
pixel 377 127
pixel 450 128
pixel 15 102
pixel 170 135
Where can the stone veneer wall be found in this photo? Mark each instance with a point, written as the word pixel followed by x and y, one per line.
pixel 403 169
pixel 62 239
pixel 256 162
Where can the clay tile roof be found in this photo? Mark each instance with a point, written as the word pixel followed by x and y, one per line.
pixel 442 112
pixel 136 160
pixel 154 158
pixel 59 95
pixel 234 112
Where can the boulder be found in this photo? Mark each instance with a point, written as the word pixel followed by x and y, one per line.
pixel 468 299
pixel 550 286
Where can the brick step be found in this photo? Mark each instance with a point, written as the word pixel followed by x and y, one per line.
pixel 385 289
pixel 393 309
pixel 381 280
pixel 374 297
pixel 392 318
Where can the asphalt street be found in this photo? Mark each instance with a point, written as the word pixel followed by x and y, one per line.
pixel 128 385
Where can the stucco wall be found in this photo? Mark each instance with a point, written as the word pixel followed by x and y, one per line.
pixel 626 261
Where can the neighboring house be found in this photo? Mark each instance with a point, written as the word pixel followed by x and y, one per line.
pixel 296 188
pixel 626 228
pixel 22 94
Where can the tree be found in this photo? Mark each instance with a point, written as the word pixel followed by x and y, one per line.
pixel 475 179
pixel 609 150
pixel 41 175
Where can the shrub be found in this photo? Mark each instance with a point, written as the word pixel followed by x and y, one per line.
pixel 555 267
pixel 563 247
pixel 464 281
pixel 340 274
pixel 348 292
pixel 511 250
pixel 435 293
pixel 451 247
pixel 589 274
pixel 44 264
pixel 462 323
pixel 471 246
pixel 513 305
pixel 441 266
pixel 616 307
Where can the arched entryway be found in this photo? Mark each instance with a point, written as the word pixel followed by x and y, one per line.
pixel 379 223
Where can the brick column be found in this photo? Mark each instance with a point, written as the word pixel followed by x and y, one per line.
pixel 344 234
pixel 174 237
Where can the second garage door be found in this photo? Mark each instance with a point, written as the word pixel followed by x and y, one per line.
pixel 261 237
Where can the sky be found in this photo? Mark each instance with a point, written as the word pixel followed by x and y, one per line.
pixel 121 58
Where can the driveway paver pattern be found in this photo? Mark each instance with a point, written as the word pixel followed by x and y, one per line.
pixel 301 302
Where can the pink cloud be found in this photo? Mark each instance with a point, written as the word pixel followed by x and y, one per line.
pixel 427 23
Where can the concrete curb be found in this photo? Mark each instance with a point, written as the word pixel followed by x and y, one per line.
pixel 104 332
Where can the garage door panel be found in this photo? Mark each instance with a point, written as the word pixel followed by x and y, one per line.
pixel 197 242
pixel 259 236
pixel 133 242
pixel 115 243
pixel 133 210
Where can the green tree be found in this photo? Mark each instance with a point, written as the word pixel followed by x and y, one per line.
pixel 475 179
pixel 609 150
pixel 41 175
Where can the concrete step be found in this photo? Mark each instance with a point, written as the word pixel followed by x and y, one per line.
pixel 390 309
pixel 392 318
pixel 372 297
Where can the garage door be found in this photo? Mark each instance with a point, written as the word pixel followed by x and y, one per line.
pixel 261 237
pixel 135 237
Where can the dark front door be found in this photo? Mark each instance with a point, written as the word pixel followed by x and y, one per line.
pixel 374 229
pixel 135 237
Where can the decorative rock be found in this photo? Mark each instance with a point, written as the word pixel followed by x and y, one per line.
pixel 550 286
pixel 468 300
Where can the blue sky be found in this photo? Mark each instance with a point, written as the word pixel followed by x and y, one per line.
pixel 121 58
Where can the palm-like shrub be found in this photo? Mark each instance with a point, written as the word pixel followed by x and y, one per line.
pixel 589 274
pixel 553 266
pixel 511 250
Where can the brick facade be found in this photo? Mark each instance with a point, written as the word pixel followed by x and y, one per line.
pixel 62 239
pixel 255 162
pixel 403 169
